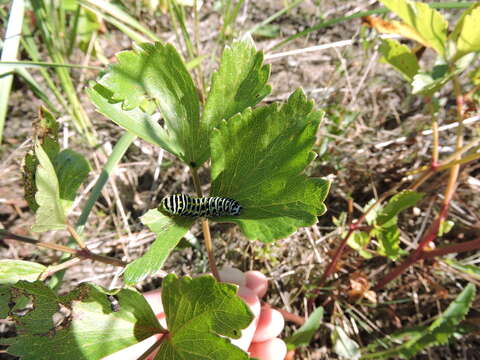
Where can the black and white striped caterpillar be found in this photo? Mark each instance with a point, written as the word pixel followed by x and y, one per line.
pixel 185 205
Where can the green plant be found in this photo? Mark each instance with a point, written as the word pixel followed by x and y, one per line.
pixel 269 182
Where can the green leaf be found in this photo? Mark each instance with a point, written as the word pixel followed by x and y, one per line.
pixel 396 204
pixel 258 159
pixel 429 23
pixel 445 227
pixel 400 57
pixel 442 328
pixel 12 271
pixel 46 133
pixel 304 335
pixel 438 333
pixel 359 241
pixel 343 346
pixel 389 241
pixel 169 231
pixel 199 312
pixel 136 121
pixel 91 330
pixel 239 83
pixel 466 34
pixel 72 170
pixel 156 72
pixel 50 214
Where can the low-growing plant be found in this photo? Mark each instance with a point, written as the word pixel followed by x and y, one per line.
pixel 257 157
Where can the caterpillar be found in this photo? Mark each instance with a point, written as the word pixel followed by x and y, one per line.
pixel 185 205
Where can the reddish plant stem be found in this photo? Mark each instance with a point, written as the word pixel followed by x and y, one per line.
pixel 415 255
pixel 288 316
pixel 352 228
pixel 451 249
pixel 449 191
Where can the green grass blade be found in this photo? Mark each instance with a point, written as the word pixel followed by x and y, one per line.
pixel 117 153
pixel 120 15
pixel 15 65
pixel 9 53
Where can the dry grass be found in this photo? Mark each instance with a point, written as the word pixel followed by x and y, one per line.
pixel 349 78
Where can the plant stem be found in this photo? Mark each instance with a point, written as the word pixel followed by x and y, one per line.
pixel 434 132
pixel 352 228
pixel 75 236
pixel 454 248
pixel 83 253
pixel 62 266
pixel 449 191
pixel 205 228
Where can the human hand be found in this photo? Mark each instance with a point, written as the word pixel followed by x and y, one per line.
pixel 259 338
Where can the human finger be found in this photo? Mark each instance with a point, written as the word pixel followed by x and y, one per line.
pixel 273 349
pixel 270 324
pixel 256 281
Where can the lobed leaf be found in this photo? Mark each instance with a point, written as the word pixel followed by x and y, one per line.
pixel 304 335
pixel 400 57
pixel 396 204
pixel 90 330
pixel 169 231
pixel 155 73
pixel 239 83
pixel 258 159
pixel 428 22
pixel 200 312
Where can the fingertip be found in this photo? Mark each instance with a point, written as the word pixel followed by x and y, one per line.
pixel 273 349
pixel 270 324
pixel 256 281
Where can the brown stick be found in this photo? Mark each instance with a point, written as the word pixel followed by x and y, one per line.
pixel 83 253
pixel 206 229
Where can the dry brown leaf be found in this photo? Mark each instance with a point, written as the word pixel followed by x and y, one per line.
pixel 393 27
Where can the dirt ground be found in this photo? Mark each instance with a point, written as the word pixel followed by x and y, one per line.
pixel 349 83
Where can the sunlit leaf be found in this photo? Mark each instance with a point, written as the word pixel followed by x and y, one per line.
pixel 428 22
pixel 259 158
pixel 200 314
pixel 88 328
pixel 155 72
pixel 466 32
pixel 169 231
pixel 400 57
pixel 12 271
pixel 50 214
pixel 240 82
